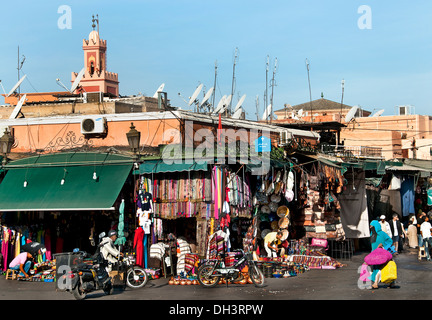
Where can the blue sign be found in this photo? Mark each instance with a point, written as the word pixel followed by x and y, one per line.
pixel 263 144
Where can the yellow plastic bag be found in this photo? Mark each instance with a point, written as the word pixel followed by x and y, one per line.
pixel 389 272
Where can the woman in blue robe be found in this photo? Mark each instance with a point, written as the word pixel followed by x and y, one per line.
pixel 379 238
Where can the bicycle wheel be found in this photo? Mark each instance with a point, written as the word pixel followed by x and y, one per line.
pixel 256 275
pixel 205 277
pixel 136 278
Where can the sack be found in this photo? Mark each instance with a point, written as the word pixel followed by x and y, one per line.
pixel 389 272
pixel 377 257
pixel 319 243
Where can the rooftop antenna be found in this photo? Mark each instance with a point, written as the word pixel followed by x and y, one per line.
pixel 19 67
pixel 310 91
pixel 233 78
pixel 257 107
pixel 161 87
pixel 266 89
pixel 214 86
pixel 343 89
pixel 272 85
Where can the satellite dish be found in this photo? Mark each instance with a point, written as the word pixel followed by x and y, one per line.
pixel 161 87
pixel 240 102
pixel 267 112
pixel 220 104
pixel 17 108
pixel 237 113
pixel 195 94
pixel 350 115
pixel 224 107
pixel 300 113
pixel 77 80
pixel 228 100
pixel 378 113
pixel 16 86
pixel 207 96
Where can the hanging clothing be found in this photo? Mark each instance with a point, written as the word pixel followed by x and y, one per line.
pixel 138 246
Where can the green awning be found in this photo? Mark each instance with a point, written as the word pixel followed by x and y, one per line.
pixel 159 166
pixel 35 183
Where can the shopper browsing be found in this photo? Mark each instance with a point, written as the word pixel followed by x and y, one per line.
pixel 22 262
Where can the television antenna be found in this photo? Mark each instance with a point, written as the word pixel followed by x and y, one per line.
pixel 17 108
pixel 257 107
pixel 233 77
pixel 351 114
pixel 310 90
pixel 161 87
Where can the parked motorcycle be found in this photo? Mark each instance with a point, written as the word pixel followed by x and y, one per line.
pixel 85 278
pixel 210 273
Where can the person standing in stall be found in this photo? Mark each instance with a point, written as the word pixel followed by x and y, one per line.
pixel 272 241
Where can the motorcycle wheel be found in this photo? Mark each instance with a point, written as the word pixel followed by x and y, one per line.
pixel 256 275
pixel 78 292
pixel 205 278
pixel 108 289
pixel 136 278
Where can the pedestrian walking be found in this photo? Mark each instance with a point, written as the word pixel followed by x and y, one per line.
pixel 412 234
pixel 425 230
pixel 379 239
pixel 385 226
pixel 420 219
pixel 397 231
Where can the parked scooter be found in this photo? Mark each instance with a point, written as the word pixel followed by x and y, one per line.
pixel 83 278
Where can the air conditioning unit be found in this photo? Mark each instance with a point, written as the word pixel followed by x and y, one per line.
pixel 96 125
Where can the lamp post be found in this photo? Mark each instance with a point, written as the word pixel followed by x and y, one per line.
pixel 6 142
pixel 133 137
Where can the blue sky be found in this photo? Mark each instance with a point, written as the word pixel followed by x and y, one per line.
pixel 177 42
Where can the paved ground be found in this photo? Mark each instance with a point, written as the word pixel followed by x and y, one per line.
pixel 414 280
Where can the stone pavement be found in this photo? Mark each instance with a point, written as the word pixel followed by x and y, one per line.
pixel 414 280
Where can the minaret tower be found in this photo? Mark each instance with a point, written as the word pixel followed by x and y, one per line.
pixel 96 77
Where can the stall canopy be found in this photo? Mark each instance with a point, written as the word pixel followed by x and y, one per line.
pixel 159 166
pixel 71 181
